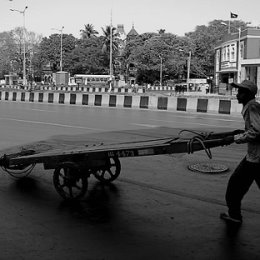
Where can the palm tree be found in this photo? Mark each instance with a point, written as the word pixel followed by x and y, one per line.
pixel 106 40
pixel 88 31
pixel 161 31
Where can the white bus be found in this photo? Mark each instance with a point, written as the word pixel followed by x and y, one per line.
pixel 92 79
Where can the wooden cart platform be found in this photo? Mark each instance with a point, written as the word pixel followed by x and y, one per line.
pixel 75 158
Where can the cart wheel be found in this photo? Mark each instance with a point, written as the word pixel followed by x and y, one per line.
pixel 69 182
pixel 110 171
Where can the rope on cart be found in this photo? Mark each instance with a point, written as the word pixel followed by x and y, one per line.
pixel 17 171
pixel 204 135
pixel 201 141
pixel 200 137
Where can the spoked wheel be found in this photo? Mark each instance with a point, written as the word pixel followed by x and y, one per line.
pixel 110 171
pixel 68 181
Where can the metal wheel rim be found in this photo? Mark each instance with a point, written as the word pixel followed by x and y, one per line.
pixel 110 172
pixel 69 183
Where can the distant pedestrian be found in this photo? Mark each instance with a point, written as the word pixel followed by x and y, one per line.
pixel 248 170
pixel 207 88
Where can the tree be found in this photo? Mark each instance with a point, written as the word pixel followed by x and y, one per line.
pixel 17 58
pixel 8 59
pixel 49 49
pixel 161 31
pixel 87 58
pixel 91 53
pixel 32 64
pixel 88 31
pixel 149 51
pixel 106 39
pixel 203 41
pixel 12 49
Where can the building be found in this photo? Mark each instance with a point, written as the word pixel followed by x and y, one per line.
pixel 131 67
pixel 121 38
pixel 237 57
pixel 132 34
pixel 128 76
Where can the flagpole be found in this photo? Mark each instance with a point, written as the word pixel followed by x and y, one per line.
pixel 110 55
pixel 232 15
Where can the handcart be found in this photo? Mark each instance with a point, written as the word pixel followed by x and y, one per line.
pixel 73 166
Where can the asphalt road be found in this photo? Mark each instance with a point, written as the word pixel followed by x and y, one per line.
pixel 156 209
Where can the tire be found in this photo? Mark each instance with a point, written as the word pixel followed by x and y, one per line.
pixel 110 171
pixel 69 182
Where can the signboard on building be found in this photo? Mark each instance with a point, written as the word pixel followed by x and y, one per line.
pixel 78 80
pixel 228 65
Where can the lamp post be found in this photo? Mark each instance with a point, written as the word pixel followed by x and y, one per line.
pixel 111 55
pixel 24 58
pixel 239 52
pixel 161 66
pixel 188 68
pixel 188 71
pixel 239 57
pixel 160 70
pixel 61 31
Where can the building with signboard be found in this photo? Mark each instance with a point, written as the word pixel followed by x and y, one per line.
pixel 237 57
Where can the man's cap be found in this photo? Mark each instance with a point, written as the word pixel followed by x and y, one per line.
pixel 246 84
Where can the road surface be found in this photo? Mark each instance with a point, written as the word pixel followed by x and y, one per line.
pixel 156 209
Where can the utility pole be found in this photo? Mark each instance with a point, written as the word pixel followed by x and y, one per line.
pixel 61 45
pixel 188 70
pixel 111 54
pixel 24 57
pixel 160 70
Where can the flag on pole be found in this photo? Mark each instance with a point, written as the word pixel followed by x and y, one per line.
pixel 232 15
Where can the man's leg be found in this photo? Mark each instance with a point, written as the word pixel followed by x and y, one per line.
pixel 257 176
pixel 238 185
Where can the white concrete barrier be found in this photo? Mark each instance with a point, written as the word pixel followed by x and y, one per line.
pixel 192 104
pixel 153 101
pixel 236 108
pixel 105 100
pixel 120 101
pixel 136 101
pixel 171 103
pixel 213 105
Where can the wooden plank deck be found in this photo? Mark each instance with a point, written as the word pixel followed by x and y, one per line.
pixel 129 143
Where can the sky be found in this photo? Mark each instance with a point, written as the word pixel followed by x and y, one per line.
pixel 44 17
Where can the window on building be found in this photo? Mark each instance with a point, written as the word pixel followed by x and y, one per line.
pixel 223 54
pixel 228 53
pixel 233 52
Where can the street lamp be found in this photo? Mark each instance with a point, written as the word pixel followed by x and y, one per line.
pixel 161 66
pixel 239 52
pixel 24 64
pixel 111 54
pixel 188 68
pixel 188 71
pixel 160 70
pixel 60 30
pixel 161 61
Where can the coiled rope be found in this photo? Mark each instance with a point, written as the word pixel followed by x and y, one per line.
pixel 200 137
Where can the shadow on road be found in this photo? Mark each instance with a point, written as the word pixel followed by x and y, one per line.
pixel 97 207
pixel 26 185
